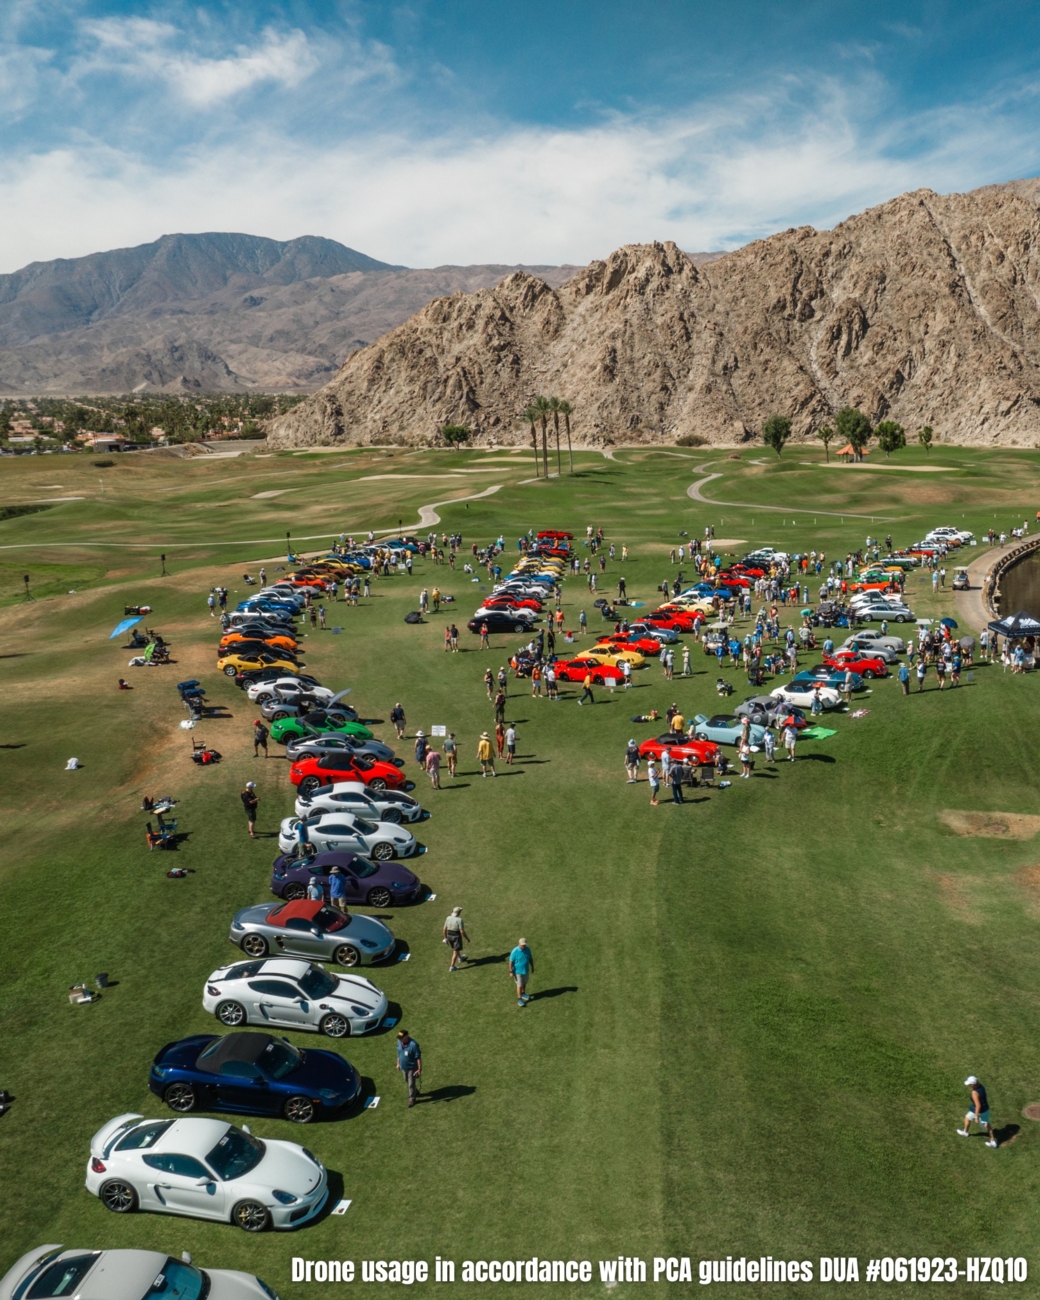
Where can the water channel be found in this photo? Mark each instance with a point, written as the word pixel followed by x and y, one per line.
pixel 1020 587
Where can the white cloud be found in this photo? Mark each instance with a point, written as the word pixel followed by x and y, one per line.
pixel 706 178
pixel 155 52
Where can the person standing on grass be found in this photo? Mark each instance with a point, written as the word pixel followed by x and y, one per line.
pixel 586 691
pixel 500 737
pixel 321 617
pixel 250 803
pixel 263 577
pixel 632 762
pixel 485 644
pixel 500 706
pixel 486 755
pixel 922 672
pixel 769 744
pixel 433 767
pixel 454 639
pixel 790 740
pixel 536 680
pixel 979 1111
pixel 211 601
pixel 626 673
pixel 550 683
pixel 420 748
pixel 368 586
pixel 338 888
pixel 676 777
pixel 904 678
pixel 583 623
pixel 398 720
pixel 940 670
pixel 260 734
pixel 454 933
pixel 451 752
pixel 447 640
pixel 744 750
pixel 489 684
pixel 521 968
pixel 409 1062
pixel 654 780
pixel 510 739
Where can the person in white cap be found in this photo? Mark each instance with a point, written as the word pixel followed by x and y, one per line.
pixel 979 1112
pixel 454 932
pixel 249 803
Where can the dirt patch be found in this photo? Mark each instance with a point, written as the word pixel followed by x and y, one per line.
pixel 958 894
pixel 991 825
pixel 1032 1111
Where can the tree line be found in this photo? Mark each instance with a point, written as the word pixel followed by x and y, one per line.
pixel 851 428
pixel 539 412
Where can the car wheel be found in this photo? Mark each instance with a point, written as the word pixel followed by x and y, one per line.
pixel 377 783
pixel 293 892
pixel 597 679
pixel 699 735
pixel 868 674
pixel 383 852
pixel 250 1216
pixel 279 716
pixel 180 1097
pixel 335 1026
pixel 309 784
pixel 255 945
pixel 230 672
pixel 380 897
pixel 231 1014
pixel 900 618
pixel 263 697
pixel 519 627
pixel 346 955
pixel 119 1197
pixel 299 1110
pixel 392 815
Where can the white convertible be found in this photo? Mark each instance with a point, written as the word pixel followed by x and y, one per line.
pixel 355 797
pixel 205 1169
pixel 52 1271
pixel 294 994
pixel 801 695
pixel 342 830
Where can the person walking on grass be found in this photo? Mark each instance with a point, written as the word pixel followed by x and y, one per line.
pixel 451 752
pixel 211 601
pixel 250 803
pixel 433 767
pixel 409 1062
pixel 922 673
pixel 583 623
pixel 521 968
pixel 790 740
pixel 904 679
pixel 500 737
pixel 632 762
pixel 500 706
pixel 454 933
pixel 486 755
pixel 485 644
pixel 940 671
pixel 654 781
pixel 321 617
pixel 398 720
pixel 586 691
pixel 510 745
pixel 260 734
pixel 978 1112
pixel 489 684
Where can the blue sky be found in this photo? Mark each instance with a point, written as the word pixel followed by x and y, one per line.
pixel 459 131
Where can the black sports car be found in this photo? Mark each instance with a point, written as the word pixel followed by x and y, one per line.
pixel 254 1073
pixel 499 621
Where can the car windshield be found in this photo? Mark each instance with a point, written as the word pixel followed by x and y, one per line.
pixel 328 920
pixel 279 1059
pixel 63 1277
pixel 318 983
pixel 179 1281
pixel 235 1154
pixel 362 867
pixel 363 827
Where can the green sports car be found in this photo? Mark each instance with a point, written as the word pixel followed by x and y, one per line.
pixel 317 724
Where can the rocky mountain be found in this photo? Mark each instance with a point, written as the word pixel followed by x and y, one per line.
pixel 209 312
pixel 925 309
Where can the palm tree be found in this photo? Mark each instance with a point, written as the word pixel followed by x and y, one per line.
pixel 531 416
pixel 554 406
pixel 543 408
pixel 566 410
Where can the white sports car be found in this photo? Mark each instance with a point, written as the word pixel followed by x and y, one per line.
pixel 52 1271
pixel 355 797
pixel 206 1169
pixel 803 698
pixel 289 689
pixel 330 831
pixel 294 994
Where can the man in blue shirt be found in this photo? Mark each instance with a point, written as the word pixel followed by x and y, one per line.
pixel 521 966
pixel 904 678
pixel 409 1062
pixel 338 888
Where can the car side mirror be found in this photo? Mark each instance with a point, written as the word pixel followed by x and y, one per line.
pixel 204 1182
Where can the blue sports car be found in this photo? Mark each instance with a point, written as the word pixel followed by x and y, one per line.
pixel 725 729
pixel 377 884
pixel 253 1073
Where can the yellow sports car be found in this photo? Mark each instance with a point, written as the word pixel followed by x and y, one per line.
pixel 612 658
pixel 233 664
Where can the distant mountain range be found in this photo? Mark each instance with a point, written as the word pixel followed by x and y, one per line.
pixel 210 313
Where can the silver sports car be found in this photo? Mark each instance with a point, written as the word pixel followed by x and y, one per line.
pixel 334 743
pixel 310 928
pixel 51 1271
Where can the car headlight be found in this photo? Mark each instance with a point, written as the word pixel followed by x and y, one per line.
pixel 161 1071
pixel 367 943
pixel 361 1011
pixel 212 991
pixel 398 884
pixel 286 1198
pixel 327 1094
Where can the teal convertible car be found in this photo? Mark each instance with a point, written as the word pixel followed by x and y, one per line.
pixel 725 729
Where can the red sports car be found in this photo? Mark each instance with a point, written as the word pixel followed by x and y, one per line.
pixel 555 535
pixel 646 645
pixel 326 769
pixel 865 665
pixel 700 751
pixel 511 602
pixel 731 578
pixel 674 622
pixel 575 670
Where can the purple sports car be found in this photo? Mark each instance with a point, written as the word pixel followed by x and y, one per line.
pixel 379 884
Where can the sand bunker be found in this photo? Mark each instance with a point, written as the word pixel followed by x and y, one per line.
pixel 862 464
pixel 991 825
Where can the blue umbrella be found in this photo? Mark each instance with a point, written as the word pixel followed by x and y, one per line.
pixel 124 626
pixel 948 622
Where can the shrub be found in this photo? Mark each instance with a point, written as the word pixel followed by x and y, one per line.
pixel 691 440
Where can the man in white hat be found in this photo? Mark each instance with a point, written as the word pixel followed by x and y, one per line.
pixel 979 1112
pixel 455 935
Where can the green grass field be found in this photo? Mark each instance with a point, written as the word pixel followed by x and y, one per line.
pixel 753 1013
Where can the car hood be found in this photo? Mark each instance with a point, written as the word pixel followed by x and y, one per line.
pixel 321 1069
pixel 229 1284
pixel 287 1166
pixel 356 989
